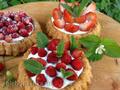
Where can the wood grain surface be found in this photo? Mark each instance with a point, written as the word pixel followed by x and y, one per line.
pixel 106 72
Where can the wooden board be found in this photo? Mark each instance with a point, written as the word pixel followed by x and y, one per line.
pixel 106 72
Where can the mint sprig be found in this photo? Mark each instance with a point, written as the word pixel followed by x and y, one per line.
pixel 93 43
pixel 42 40
pixel 66 74
pixel 73 43
pixel 60 49
pixel 33 66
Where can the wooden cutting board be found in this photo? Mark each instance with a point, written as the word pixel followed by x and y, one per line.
pixel 106 72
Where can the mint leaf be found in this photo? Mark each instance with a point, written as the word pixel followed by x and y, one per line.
pixel 42 40
pixel 83 4
pixel 112 49
pixel 75 11
pixel 60 49
pixel 66 74
pixel 90 41
pixel 73 43
pixel 33 66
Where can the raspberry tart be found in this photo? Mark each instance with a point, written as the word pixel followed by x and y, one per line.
pixel 73 18
pixel 17 32
pixel 54 65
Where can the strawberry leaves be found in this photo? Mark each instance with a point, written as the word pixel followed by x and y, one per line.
pixel 33 66
pixel 73 43
pixel 60 49
pixel 42 40
pixel 66 74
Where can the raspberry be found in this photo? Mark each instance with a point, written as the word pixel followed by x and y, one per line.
pixel 1 36
pixel 34 50
pixel 77 64
pixel 42 52
pixel 74 76
pixel 23 32
pixel 77 53
pixel 53 44
pixel 57 82
pixel 20 25
pixel 60 65
pixel 1 67
pixel 15 35
pixel 51 71
pixel 40 79
pixel 52 58
pixel 30 74
pixel 66 58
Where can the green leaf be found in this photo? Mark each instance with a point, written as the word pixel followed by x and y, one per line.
pixel 42 40
pixel 68 8
pixel 75 11
pixel 66 74
pixel 33 66
pixel 73 43
pixel 112 49
pixel 14 2
pixel 3 4
pixel 90 41
pixel 83 4
pixel 60 49
pixel 71 1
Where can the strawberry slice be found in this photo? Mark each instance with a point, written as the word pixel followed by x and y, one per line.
pixel 92 19
pixel 60 23
pixel 67 17
pixel 71 28
pixel 80 19
pixel 90 8
pixel 56 14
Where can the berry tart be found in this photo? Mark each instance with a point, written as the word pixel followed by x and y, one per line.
pixel 73 18
pixel 17 32
pixel 54 65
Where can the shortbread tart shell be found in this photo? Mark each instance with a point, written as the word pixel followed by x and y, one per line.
pixel 81 84
pixel 54 33
pixel 14 49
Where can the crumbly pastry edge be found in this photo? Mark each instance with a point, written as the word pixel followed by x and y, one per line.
pixel 81 84
pixel 14 49
pixel 54 33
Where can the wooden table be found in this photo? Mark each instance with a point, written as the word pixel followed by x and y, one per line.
pixel 106 72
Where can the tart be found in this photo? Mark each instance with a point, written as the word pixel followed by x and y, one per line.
pixel 65 70
pixel 17 32
pixel 64 22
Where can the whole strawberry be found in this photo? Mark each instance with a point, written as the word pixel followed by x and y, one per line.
pixel 51 71
pixel 41 79
pixel 57 82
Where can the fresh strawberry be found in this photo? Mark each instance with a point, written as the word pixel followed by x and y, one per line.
pixel 52 58
pixel 77 53
pixel 1 36
pixel 51 71
pixel 90 8
pixel 80 19
pixel 23 32
pixel 57 82
pixel 34 50
pixel 41 79
pixel 59 23
pixel 56 14
pixel 74 76
pixel 68 17
pixel 66 58
pixel 43 62
pixel 53 44
pixel 60 65
pixel 77 64
pixel 71 28
pixel 21 25
pixel 30 74
pixel 8 38
pixel 1 67
pixel 92 19
pixel 42 52
pixel 67 45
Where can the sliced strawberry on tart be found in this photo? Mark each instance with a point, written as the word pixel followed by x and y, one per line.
pixel 17 32
pixel 49 65
pixel 73 18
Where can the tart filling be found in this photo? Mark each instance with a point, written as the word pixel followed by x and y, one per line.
pixel 15 26
pixel 52 76
pixel 69 22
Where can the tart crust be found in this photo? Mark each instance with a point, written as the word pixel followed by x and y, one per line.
pixel 81 84
pixel 54 33
pixel 21 46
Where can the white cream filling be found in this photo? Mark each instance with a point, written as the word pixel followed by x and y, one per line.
pixel 64 31
pixel 49 79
